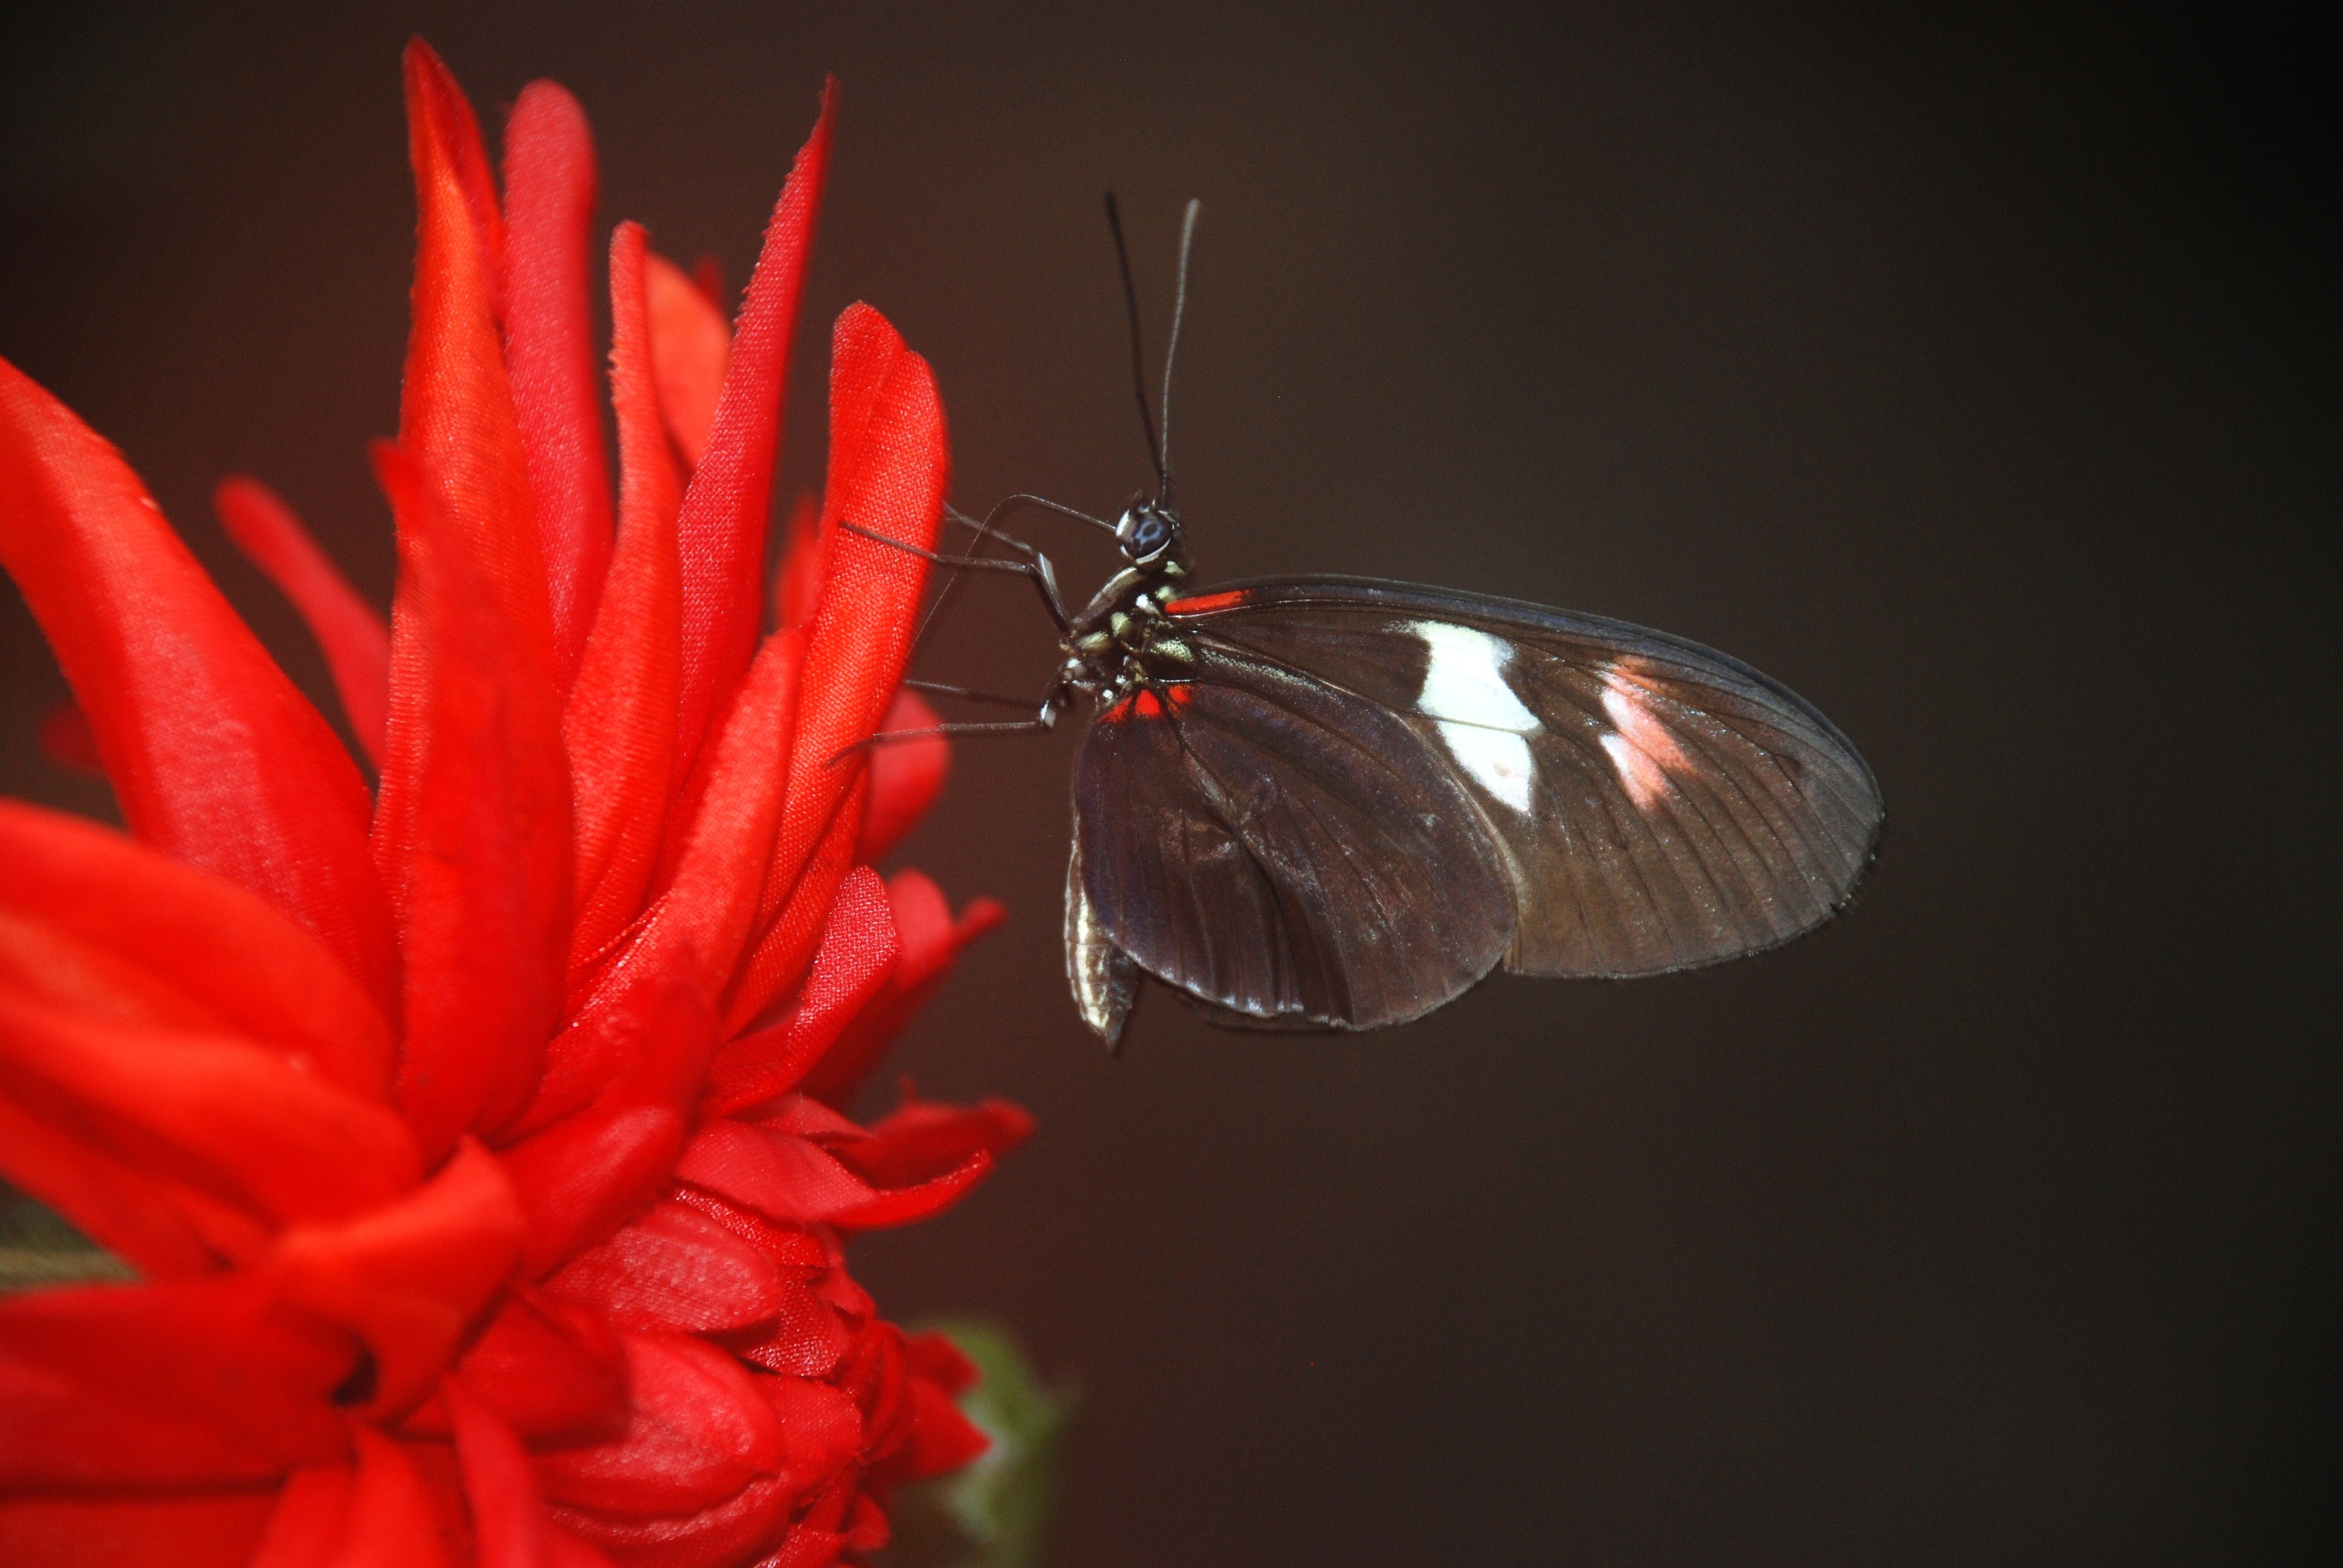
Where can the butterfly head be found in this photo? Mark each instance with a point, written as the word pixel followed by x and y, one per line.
pixel 1148 533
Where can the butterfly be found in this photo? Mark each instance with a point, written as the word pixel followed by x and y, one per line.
pixel 1336 803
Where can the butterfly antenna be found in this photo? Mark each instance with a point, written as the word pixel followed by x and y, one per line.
pixel 1138 353
pixel 1171 350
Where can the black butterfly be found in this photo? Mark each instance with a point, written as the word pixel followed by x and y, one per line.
pixel 1336 803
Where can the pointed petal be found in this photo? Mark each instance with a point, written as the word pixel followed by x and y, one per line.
pixel 858 950
pixel 619 724
pixel 207 1108
pixel 921 1138
pixel 483 889
pixel 376 1513
pixel 723 523
pixel 409 1277
pixel 579 1178
pixel 888 467
pixel 807 892
pixel 351 632
pixel 691 346
pixel 214 757
pixel 221 949
pixel 932 941
pixel 790 1177
pixel 456 419
pixel 549 347
pixel 906 776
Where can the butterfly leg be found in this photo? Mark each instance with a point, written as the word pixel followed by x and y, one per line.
pixel 1037 570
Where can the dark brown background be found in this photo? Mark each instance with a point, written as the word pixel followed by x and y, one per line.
pixel 1976 376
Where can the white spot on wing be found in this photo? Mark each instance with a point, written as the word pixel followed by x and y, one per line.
pixel 1481 721
pixel 1644 750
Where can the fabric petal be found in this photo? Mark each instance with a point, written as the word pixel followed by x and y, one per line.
pixel 674 1269
pixel 164 1385
pixel 690 347
pixel 408 1278
pixel 698 1433
pixel 224 950
pixel 508 1522
pixel 457 419
pixel 723 522
pixel 351 632
pixel 545 1368
pixel 108 1199
pixel 216 759
pixel 921 1140
pixel 932 941
pixel 619 726
pixel 792 1178
pixel 550 183
pixel 858 953
pixel 890 467
pixel 906 776
pixel 205 1529
pixel 482 888
pixel 204 1107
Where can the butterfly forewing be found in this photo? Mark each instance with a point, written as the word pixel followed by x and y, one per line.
pixel 1659 804
pixel 1284 849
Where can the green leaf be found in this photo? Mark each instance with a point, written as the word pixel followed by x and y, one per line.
pixel 998 1512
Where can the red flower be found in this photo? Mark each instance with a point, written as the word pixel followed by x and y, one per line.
pixel 477 1137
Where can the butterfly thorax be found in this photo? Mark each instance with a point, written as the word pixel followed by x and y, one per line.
pixel 1120 642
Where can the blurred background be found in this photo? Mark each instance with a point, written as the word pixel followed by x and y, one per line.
pixel 1972 372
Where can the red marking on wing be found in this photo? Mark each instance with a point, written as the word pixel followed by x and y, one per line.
pixel 1146 706
pixel 1207 603
pixel 1180 695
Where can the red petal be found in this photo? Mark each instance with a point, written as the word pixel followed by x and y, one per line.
pixel 67 739
pixel 545 1367
pixel 887 470
pixel 549 348
pixel 214 758
pixel 796 586
pixel 456 418
pixel 932 941
pixel 675 1269
pixel 107 1200
pixel 508 1522
pixel 378 1515
pixel 580 1177
pixel 620 725
pixel 906 776
pixel 351 633
pixel 199 1530
pixel 207 1108
pixel 822 1427
pixel 160 1385
pixel 943 1440
pixel 723 523
pixel 481 877
pixel 934 1357
pixel 922 1138
pixel 640 1038
pixel 409 1278
pixel 858 953
pixel 798 902
pixel 223 948
pixel 715 1535
pixel 691 346
pixel 699 1432
pixel 790 1177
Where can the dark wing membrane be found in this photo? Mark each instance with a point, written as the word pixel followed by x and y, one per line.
pixel 1284 850
pixel 1662 805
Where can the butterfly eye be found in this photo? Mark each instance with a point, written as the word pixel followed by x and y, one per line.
pixel 1146 533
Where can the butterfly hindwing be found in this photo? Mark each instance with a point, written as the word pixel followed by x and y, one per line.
pixel 1284 850
pixel 1660 805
